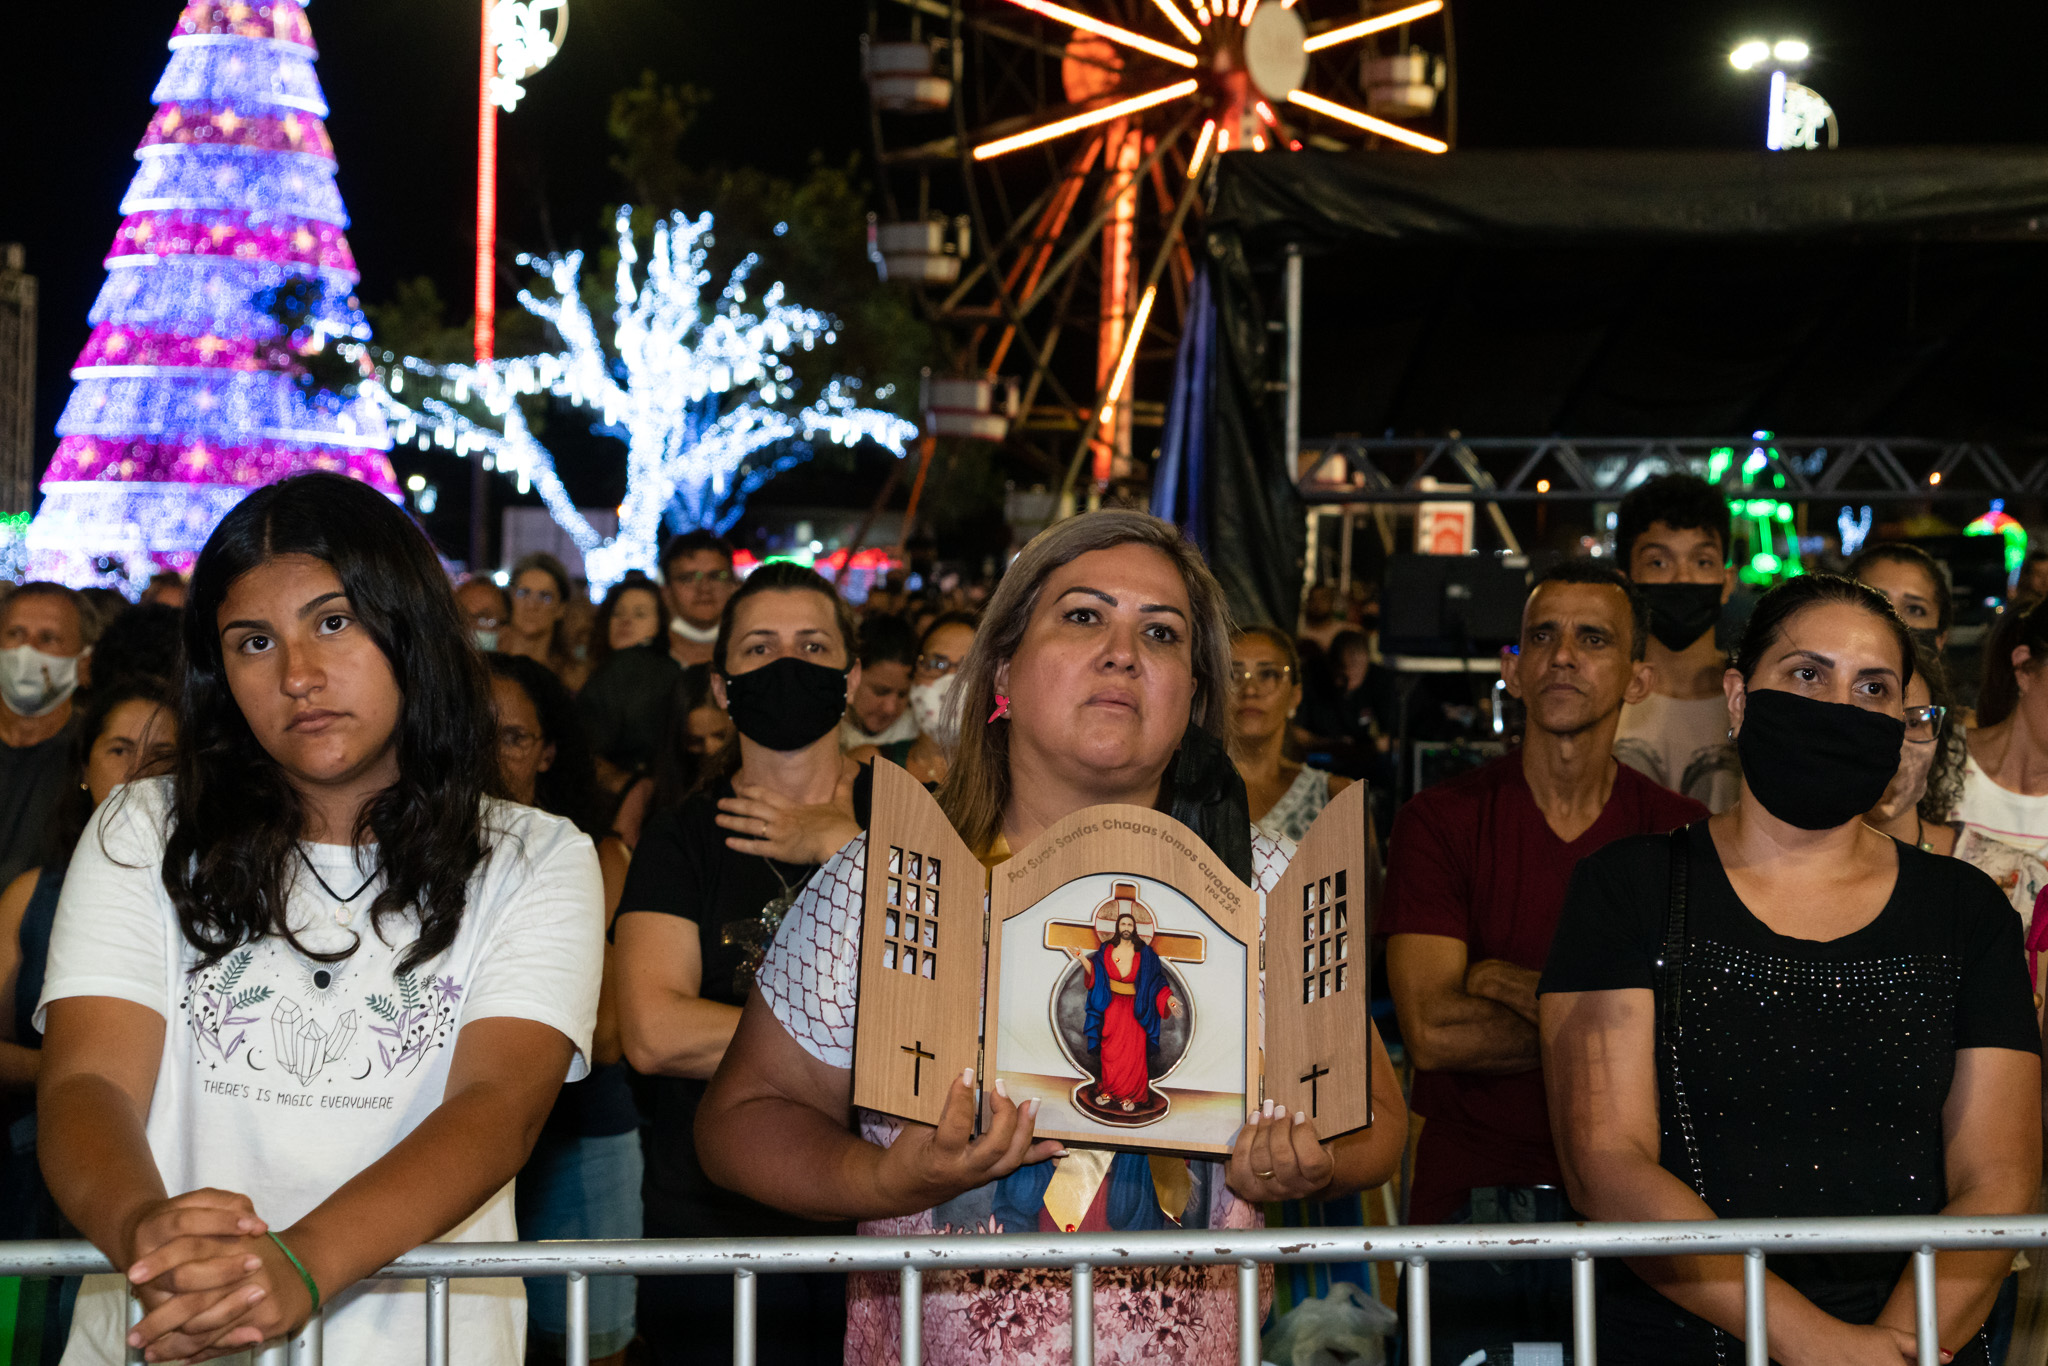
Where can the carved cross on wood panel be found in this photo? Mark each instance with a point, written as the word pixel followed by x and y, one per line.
pixel 918 1059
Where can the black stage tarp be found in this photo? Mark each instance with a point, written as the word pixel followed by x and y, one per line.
pixel 1637 294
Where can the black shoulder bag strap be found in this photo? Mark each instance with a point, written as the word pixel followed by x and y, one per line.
pixel 1671 959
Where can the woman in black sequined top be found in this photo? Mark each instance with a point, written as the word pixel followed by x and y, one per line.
pixel 1841 1024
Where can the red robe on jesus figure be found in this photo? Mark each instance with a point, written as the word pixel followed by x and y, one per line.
pixel 1126 1000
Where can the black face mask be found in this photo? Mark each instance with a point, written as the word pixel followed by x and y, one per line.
pixel 1680 613
pixel 1814 764
pixel 786 704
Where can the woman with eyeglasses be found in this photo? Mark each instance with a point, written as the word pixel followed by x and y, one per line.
pixel 942 645
pixel 540 602
pixel 1916 806
pixel 1265 683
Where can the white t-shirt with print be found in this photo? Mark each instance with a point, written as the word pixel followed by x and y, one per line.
pixel 2005 833
pixel 283 1077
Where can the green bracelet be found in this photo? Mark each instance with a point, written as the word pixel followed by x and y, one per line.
pixel 300 1267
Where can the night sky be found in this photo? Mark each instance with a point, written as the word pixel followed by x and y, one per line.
pixel 400 75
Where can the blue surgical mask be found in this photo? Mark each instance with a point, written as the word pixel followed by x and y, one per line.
pixel 487 641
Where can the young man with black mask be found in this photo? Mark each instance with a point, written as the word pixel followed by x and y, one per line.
pixel 1476 875
pixel 1671 535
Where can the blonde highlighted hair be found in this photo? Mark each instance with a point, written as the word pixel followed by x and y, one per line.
pixel 977 788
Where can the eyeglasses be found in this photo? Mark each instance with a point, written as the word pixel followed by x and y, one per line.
pixel 1924 723
pixel 1267 676
pixel 517 739
pixel 544 596
pixel 936 664
pixel 690 578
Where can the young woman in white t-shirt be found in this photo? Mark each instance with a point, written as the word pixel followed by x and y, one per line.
pixel 309 1000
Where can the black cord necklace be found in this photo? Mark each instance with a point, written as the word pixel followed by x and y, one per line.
pixel 344 900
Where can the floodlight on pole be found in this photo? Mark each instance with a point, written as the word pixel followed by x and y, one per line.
pixel 1794 114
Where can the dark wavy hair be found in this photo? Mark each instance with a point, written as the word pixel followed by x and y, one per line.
pixel 2023 623
pixel 236 820
pixel 1777 607
pixel 1898 552
pixel 1945 776
pixel 568 786
pixel 73 812
pixel 601 628
pixel 1683 502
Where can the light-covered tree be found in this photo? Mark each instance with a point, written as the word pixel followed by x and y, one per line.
pixel 696 387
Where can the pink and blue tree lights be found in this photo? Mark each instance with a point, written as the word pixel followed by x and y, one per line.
pixel 194 386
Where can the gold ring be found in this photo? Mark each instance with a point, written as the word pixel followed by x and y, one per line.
pixel 1263 1176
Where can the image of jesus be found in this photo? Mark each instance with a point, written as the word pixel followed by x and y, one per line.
pixel 1128 994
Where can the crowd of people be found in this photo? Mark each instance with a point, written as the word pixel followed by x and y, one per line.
pixel 344 908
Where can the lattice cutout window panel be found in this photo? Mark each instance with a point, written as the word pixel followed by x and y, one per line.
pixel 910 915
pixel 1325 938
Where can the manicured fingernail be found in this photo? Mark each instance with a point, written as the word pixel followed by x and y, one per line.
pixel 1000 1089
pixel 1030 1106
pixel 1300 1117
pixel 967 1078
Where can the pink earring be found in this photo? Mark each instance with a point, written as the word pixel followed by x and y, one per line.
pixel 1002 709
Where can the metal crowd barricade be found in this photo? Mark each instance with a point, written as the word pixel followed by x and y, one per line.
pixel 1755 1240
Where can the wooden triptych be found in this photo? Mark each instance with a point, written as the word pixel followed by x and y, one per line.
pixel 1111 971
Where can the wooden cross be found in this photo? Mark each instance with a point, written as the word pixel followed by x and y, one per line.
pixel 918 1059
pixel 1078 939
pixel 1315 1075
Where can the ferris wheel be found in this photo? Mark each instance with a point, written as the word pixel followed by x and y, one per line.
pixel 1041 165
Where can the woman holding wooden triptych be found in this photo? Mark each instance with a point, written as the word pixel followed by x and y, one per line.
pixel 1100 674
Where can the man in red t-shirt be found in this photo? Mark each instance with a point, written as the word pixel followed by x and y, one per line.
pixel 1476 874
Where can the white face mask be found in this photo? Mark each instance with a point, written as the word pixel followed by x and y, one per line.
pixel 932 704
pixel 696 635
pixel 36 684
pixel 486 641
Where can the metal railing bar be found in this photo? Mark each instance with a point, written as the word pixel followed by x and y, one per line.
pixel 1756 1346
pixel 1460 1242
pixel 308 1346
pixel 1249 1352
pixel 437 1321
pixel 576 1320
pixel 1418 1312
pixel 1081 1306
pixel 1170 1247
pixel 1926 1321
pixel 745 1317
pixel 1585 1318
pixel 910 1352
pixel 134 1354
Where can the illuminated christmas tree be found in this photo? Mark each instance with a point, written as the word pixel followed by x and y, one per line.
pixel 212 365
